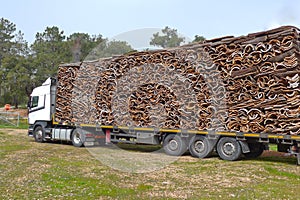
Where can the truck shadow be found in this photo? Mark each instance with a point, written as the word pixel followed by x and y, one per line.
pixel 291 160
pixel 267 156
pixel 275 156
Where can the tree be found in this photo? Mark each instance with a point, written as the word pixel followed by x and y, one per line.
pixel 49 50
pixel 116 48
pixel 7 33
pixel 18 79
pixel 107 49
pixel 81 44
pixel 25 70
pixel 169 38
pixel 16 71
pixel 199 38
pixel 20 46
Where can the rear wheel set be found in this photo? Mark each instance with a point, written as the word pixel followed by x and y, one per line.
pixel 201 147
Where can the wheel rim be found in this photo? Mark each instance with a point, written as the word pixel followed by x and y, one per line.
pixel 39 134
pixel 199 146
pixel 228 148
pixel 76 138
pixel 173 145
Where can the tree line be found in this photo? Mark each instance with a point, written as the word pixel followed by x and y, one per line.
pixel 24 67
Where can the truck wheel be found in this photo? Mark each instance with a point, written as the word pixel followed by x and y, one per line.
pixel 229 149
pixel 39 134
pixel 256 149
pixel 200 147
pixel 76 138
pixel 174 145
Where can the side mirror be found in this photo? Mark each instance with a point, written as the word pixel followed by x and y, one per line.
pixel 29 103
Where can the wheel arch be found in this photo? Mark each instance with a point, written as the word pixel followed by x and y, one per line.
pixel 43 124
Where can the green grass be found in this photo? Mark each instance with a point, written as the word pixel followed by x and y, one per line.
pixel 64 184
pixel 273 147
pixel 276 172
pixel 23 124
pixel 31 170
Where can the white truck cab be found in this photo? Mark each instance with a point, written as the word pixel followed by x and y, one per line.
pixel 41 105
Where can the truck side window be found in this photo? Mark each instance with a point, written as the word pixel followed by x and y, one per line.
pixel 34 102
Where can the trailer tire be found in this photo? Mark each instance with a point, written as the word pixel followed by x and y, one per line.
pixel 200 146
pixel 256 149
pixel 39 134
pixel 76 138
pixel 174 145
pixel 229 149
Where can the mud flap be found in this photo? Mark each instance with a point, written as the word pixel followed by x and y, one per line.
pixel 244 146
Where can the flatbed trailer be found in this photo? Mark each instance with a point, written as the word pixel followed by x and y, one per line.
pixel 228 145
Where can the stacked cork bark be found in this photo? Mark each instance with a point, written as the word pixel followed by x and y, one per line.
pixel 66 76
pixel 247 84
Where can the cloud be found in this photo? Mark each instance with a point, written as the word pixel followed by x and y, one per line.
pixel 288 14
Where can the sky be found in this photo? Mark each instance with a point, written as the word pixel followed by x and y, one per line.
pixel 110 18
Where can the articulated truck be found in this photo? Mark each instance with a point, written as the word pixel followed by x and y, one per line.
pixel 230 95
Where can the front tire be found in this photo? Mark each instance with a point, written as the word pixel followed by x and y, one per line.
pixel 229 149
pixel 174 145
pixel 77 138
pixel 39 134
